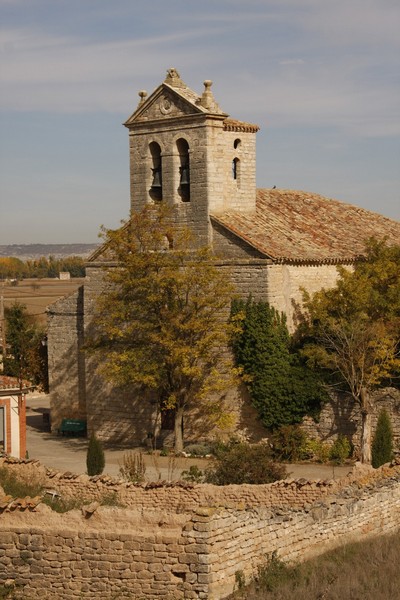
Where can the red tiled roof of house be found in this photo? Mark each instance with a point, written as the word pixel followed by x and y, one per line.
pixel 295 226
pixel 7 382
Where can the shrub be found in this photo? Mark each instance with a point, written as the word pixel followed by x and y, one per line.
pixel 289 443
pixel 133 467
pixel 95 461
pixel 198 449
pixel 340 450
pixel 382 444
pixel 244 463
pixel 194 474
pixel 275 573
pixel 317 450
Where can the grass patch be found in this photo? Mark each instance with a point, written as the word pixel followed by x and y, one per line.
pixel 366 570
pixel 63 505
pixel 18 487
pixel 32 485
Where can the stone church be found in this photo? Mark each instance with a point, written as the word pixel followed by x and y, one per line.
pixel 187 152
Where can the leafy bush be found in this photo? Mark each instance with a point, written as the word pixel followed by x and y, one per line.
pixel 382 444
pixel 198 449
pixel 95 460
pixel 317 450
pixel 275 573
pixel 194 474
pixel 289 443
pixel 244 463
pixel 133 467
pixel 340 450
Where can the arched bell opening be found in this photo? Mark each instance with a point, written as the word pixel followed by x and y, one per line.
pixel 184 170
pixel 156 168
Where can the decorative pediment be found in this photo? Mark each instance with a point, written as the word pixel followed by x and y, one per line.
pixel 173 98
pixel 164 103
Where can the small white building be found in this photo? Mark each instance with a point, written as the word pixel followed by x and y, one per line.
pixel 64 276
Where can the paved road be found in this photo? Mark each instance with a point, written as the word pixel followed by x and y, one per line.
pixel 69 454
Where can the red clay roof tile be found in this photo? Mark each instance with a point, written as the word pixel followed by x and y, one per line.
pixel 295 226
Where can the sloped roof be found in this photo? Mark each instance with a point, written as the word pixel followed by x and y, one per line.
pixel 295 226
pixel 235 125
pixel 9 384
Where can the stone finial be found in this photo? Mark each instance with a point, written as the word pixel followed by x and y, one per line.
pixel 207 99
pixel 143 95
pixel 173 78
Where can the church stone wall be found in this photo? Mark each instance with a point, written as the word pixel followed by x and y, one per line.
pixel 66 360
pixel 286 282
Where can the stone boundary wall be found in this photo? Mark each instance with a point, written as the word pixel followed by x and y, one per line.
pixel 151 552
pixel 175 496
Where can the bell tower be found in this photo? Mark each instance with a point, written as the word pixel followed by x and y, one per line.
pixel 185 151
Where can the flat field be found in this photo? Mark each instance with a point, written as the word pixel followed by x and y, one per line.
pixel 38 294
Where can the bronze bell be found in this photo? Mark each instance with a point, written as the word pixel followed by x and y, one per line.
pixel 156 178
pixel 185 178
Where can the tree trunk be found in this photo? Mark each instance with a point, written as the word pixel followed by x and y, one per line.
pixel 178 430
pixel 365 427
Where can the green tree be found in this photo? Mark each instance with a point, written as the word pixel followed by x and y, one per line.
pixel 354 329
pixel 75 265
pixel 159 322
pixel 382 444
pixel 26 358
pixel 282 389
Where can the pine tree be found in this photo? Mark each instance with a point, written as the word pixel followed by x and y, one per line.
pixel 382 445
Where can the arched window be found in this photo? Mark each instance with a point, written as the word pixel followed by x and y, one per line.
pixel 156 168
pixel 236 143
pixel 184 169
pixel 236 170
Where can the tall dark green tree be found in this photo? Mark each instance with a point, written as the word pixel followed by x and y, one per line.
pixel 282 389
pixel 382 444
pixel 95 459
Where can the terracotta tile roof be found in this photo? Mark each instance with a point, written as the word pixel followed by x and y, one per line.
pixel 234 125
pixel 295 226
pixel 7 382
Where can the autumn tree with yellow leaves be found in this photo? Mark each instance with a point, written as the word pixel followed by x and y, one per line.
pixel 354 329
pixel 160 322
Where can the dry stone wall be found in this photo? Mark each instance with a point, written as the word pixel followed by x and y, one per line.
pixel 340 415
pixel 190 547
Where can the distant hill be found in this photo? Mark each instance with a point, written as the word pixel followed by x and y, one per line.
pixel 32 251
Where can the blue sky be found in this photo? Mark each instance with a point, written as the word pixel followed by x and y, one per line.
pixel 320 77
